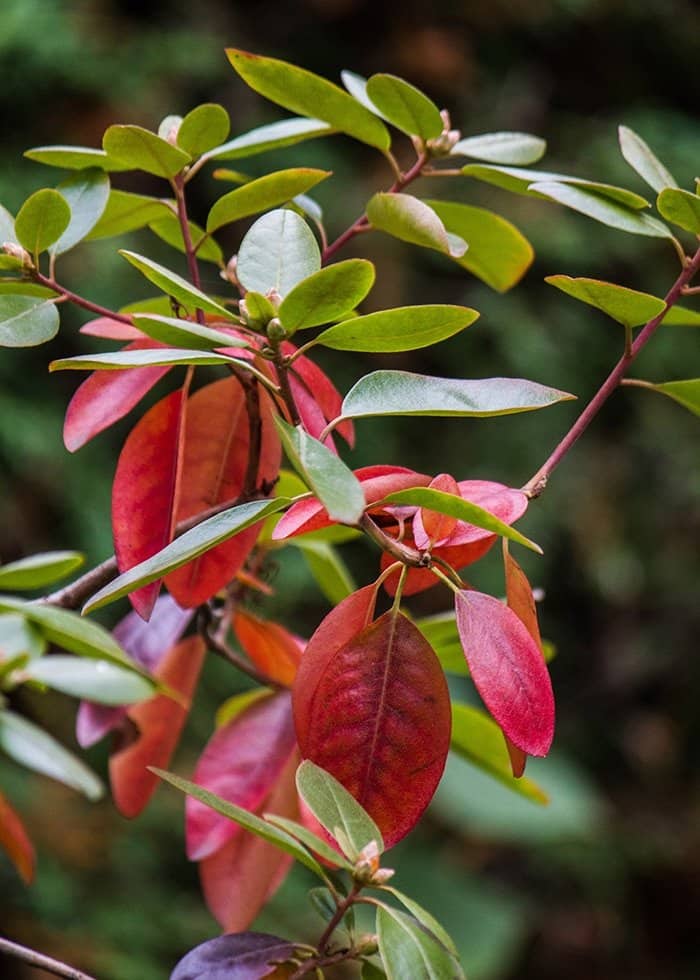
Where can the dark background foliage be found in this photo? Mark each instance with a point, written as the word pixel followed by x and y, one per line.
pixel 604 882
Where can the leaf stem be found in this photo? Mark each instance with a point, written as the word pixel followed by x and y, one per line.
pixel 178 184
pixel 402 552
pixel 77 300
pixel 42 962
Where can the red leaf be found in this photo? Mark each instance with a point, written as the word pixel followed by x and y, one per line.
pixel 15 841
pixel 325 393
pixel 310 414
pixel 508 670
pixel 109 329
pixel 420 579
pixel 107 396
pixel 501 501
pixel 239 878
pixel 379 720
pixel 273 649
pixel 214 466
pixel 242 763
pixel 159 721
pixel 437 526
pixel 144 490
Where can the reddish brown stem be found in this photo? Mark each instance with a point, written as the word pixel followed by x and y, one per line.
pixel 72 297
pixel 192 265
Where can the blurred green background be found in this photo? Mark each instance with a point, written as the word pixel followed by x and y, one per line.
pixel 606 881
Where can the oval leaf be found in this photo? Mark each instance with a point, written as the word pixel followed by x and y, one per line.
pixel 402 104
pixel 204 128
pixel 328 294
pixel 41 221
pixel 686 393
pixel 141 356
pixel 174 285
pixel 274 136
pixel 274 650
pixel 408 949
pixel 336 810
pixel 87 194
pixel 27 321
pixel 519 180
pixel 608 212
pixel 639 156
pixel 140 149
pixel 127 212
pixel 405 328
pixel 628 306
pixel 518 149
pixel 411 220
pixel 185 333
pixel 681 208
pixel 278 252
pixel 97 680
pixel 244 956
pixel 39 570
pixel 73 157
pixel 262 194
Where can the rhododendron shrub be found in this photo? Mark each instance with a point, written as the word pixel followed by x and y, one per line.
pixel 339 747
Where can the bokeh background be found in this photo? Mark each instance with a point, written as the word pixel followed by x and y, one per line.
pixel 606 881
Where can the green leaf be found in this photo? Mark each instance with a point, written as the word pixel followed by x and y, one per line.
pixel 441 633
pixel 521 181
pixel 404 328
pixel 310 95
pixel 36 749
pixel 262 194
pixel 39 570
pixel 259 309
pixel 518 149
pixel 463 510
pixel 498 253
pixel 324 473
pixel 174 285
pixel 370 971
pixel 41 221
pixel 249 821
pixel 408 950
pixel 185 333
pixel 96 680
pixel 235 705
pixel 69 630
pixel 322 901
pixel 121 360
pixel 686 393
pixel 86 193
pixel 168 229
pixel 327 567
pixel 477 738
pixel 628 306
pixel 278 252
pixel 74 158
pixel 335 809
pixel 411 220
pixel 19 638
pixel 357 87
pixel 310 840
pixel 140 149
pixel 679 316
pixel 424 918
pixel 274 136
pixel 7 226
pixel 27 321
pixel 600 208
pixel 681 208
pixel 203 129
pixel 127 212
pixel 189 545
pixel 637 153
pixel 402 393
pixel 326 295
pixel 402 104
pixel 20 287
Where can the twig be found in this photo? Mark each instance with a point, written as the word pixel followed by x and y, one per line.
pixel 404 554
pixel 47 963
pixel 178 185
pixel 215 639
pixel 72 297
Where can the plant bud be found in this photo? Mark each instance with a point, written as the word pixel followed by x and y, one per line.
pixel 275 331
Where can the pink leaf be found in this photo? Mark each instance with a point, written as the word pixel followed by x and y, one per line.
pixel 109 329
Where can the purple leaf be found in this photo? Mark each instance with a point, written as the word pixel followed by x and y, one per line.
pixel 243 956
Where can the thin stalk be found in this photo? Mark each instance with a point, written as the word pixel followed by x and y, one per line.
pixel 402 552
pixel 42 962
pixel 178 184
pixel 77 300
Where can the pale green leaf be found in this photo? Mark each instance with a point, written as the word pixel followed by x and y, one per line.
pixel 324 473
pixel 686 393
pixel 411 220
pixel 521 181
pixel 120 360
pixel 628 306
pixel 185 333
pixel 311 841
pixel 326 295
pixel 193 543
pixel 41 220
pixel 335 809
pixel 96 680
pixel 407 949
pixel 308 94
pixel 27 321
pixel 86 193
pixel 402 104
pixel 127 212
pixel 203 129
pixel 278 252
pixel 640 157
pixel 39 570
pixel 424 917
pixel 74 158
pixel 517 149
pixel 36 749
pixel 681 208
pixel 498 252
pixel 262 194
pixel 169 230
pixel 404 328
pixel 14 287
pixel 274 136
pixel 357 87
pixel 19 638
pixel 140 149
pixel 607 211
pixel 174 285
pixel 327 567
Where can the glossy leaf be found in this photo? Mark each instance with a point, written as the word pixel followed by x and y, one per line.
pixel 628 306
pixel 402 104
pixel 336 810
pixel 508 670
pixel 408 950
pixel 411 220
pixel 127 212
pixel 303 92
pixel 273 136
pixel 187 546
pixel 98 680
pixel 241 764
pixel 86 193
pixel 404 328
pixel 143 356
pixel 15 841
pixel 185 333
pixel 262 194
pixel 243 956
pixel 273 649
pixel 517 149
pixel 158 724
pixel 174 285
pixel 203 129
pixel 168 229
pixel 681 208
pixel 41 220
pixel 598 207
pixel 27 321
pixel 105 397
pixel 39 570
pixel 325 474
pixel 519 180
pixel 278 252
pixel 402 393
pixel 478 739
pixel 140 149
pixel 498 253
pixel 326 295
pixel 74 157
pixel 327 567
pixel 35 749
pixel 370 705
pixel 640 157
pixel 686 393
